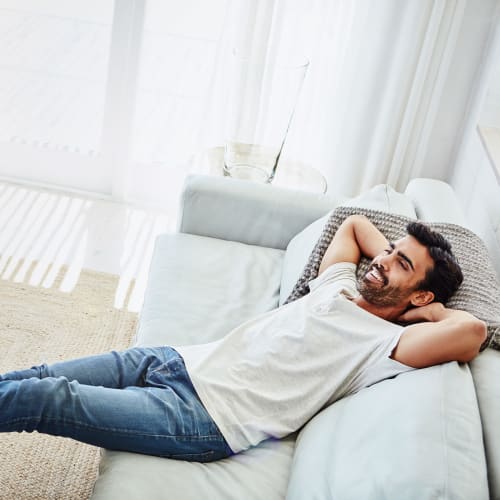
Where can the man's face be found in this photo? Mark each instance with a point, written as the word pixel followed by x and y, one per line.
pixel 394 274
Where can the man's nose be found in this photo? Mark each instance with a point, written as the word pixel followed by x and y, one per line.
pixel 384 261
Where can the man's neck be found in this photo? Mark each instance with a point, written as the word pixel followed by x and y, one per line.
pixel 389 313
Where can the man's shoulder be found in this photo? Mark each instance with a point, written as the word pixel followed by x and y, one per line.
pixel 341 275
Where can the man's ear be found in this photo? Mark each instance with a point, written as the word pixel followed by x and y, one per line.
pixel 421 298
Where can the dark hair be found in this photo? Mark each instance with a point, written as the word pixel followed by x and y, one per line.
pixel 445 276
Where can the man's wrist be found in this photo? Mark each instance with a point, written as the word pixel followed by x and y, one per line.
pixel 438 312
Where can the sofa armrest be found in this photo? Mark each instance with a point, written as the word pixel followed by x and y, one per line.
pixel 248 212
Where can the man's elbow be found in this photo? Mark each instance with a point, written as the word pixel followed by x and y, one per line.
pixel 480 331
pixel 477 333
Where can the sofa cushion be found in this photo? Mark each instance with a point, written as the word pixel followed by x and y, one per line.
pixel 256 474
pixel 486 373
pixel 417 436
pixel 200 288
pixel 382 197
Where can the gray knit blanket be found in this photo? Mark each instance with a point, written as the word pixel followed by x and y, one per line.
pixel 479 293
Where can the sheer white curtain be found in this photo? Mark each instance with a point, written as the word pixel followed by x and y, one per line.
pixel 375 77
pixel 364 115
pixel 368 102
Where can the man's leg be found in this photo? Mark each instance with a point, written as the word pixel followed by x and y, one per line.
pixel 163 416
pixel 114 369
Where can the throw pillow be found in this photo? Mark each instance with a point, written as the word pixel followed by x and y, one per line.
pixel 479 293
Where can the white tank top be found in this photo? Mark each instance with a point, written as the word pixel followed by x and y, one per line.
pixel 272 374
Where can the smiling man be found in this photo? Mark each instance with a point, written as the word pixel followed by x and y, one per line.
pixel 408 281
pixel 272 374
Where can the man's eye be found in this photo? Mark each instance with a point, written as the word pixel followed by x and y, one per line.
pixel 403 264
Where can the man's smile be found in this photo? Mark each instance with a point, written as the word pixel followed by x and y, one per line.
pixel 376 276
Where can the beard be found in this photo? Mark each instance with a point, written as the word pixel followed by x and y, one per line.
pixel 381 294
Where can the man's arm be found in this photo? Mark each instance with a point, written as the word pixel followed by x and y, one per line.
pixel 356 236
pixel 444 335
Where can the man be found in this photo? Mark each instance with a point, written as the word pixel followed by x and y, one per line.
pixel 408 282
pixel 269 376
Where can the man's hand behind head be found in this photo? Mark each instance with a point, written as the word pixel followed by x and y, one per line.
pixel 430 312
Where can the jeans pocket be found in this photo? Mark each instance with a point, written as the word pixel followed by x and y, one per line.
pixel 165 374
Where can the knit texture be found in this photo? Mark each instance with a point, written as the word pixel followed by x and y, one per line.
pixel 479 293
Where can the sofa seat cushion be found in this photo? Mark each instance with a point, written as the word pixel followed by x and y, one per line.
pixel 200 288
pixel 258 473
pixel 417 436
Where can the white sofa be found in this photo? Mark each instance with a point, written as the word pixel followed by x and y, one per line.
pixel 426 434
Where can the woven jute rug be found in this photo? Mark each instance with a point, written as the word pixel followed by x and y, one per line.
pixel 46 325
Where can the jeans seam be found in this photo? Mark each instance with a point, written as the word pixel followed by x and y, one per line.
pixel 75 423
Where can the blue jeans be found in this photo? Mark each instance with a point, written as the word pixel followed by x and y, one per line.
pixel 140 400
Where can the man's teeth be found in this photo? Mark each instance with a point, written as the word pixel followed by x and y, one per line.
pixel 377 275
